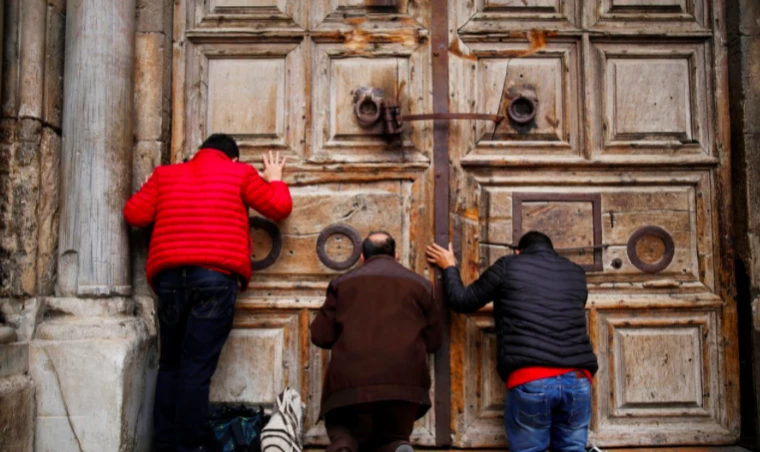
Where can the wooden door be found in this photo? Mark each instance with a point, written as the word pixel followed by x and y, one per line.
pixel 628 152
pixel 281 75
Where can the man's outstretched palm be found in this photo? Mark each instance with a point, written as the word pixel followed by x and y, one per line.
pixel 273 167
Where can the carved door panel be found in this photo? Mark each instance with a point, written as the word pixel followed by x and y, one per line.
pixel 626 159
pixel 616 147
pixel 282 75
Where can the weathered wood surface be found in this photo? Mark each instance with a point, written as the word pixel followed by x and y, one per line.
pixel 628 109
pixel 627 112
pixel 282 75
pixel 97 144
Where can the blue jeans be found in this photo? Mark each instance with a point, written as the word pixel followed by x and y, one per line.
pixel 551 413
pixel 195 308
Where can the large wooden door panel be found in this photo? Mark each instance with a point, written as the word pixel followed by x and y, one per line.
pixel 623 156
pixel 650 101
pixel 660 374
pixel 627 154
pixel 282 75
pixel 669 201
pixel 399 69
pixel 224 97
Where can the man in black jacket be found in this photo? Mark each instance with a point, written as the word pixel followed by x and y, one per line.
pixel 544 353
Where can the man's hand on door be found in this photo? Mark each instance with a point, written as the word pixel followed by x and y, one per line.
pixel 273 167
pixel 441 257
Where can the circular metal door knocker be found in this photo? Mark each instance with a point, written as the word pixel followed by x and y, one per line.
pixel 651 249
pixel 342 229
pixel 274 233
pixel 522 109
pixel 368 105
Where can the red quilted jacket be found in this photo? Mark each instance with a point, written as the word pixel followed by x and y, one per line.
pixel 200 213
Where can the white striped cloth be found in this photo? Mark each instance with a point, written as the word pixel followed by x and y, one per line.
pixel 284 430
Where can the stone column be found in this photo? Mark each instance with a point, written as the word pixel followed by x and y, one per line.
pixel 97 143
pixel 91 358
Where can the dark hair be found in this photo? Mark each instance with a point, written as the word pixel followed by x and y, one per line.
pixel 531 238
pixel 376 247
pixel 222 142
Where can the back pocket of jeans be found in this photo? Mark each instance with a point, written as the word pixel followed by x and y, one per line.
pixel 533 407
pixel 168 306
pixel 213 302
pixel 580 410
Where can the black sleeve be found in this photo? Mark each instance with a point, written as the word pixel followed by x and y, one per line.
pixel 473 297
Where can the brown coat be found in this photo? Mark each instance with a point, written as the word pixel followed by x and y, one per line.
pixel 380 321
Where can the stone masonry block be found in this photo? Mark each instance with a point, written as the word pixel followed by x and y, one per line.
pixel 749 17
pixel 11 63
pixel 33 19
pixel 58 5
pixel 29 130
pixel 751 80
pixel 6 150
pixel 146 157
pixel 151 15
pixel 22 315
pixel 48 211
pixel 14 359
pixel 90 391
pixel 8 131
pixel 52 109
pixel 17 414
pixel 752 162
pixel 25 183
pixel 149 70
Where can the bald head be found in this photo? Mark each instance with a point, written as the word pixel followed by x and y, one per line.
pixel 378 243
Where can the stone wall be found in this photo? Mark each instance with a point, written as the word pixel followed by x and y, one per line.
pixel 153 58
pixel 76 372
pixel 30 152
pixel 743 26
pixel 30 145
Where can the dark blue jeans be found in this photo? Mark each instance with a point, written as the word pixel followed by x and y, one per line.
pixel 551 413
pixel 195 308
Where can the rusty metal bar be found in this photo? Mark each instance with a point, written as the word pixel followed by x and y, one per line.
pixel 581 248
pixel 440 49
pixel 603 246
pixel 382 3
pixel 448 116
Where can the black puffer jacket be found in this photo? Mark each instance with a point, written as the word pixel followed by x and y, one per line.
pixel 539 308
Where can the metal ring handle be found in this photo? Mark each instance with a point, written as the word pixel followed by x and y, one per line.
pixel 517 104
pixel 274 233
pixel 364 97
pixel 342 229
pixel 668 253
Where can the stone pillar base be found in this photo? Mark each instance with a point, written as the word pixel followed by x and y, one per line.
pixel 16 395
pixel 94 366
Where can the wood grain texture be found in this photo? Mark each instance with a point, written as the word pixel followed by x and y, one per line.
pixel 281 75
pixel 629 101
pixel 648 132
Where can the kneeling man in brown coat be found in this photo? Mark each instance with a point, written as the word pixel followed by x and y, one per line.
pixel 380 321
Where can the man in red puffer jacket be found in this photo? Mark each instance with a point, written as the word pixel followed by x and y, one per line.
pixel 199 250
